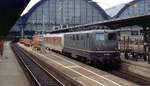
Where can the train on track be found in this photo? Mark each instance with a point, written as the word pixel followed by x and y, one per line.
pixel 98 47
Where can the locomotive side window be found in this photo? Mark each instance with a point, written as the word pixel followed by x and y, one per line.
pixel 100 37
pixel 112 36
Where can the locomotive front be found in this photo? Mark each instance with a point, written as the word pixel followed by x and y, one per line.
pixel 106 48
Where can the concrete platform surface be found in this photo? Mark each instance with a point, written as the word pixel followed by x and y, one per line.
pixel 11 73
pixel 140 68
pixel 83 74
pixel 139 63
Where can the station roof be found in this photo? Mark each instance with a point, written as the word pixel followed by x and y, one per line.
pixel 126 6
pixel 110 24
pixel 10 11
pixel 118 10
pixel 42 1
pixel 113 11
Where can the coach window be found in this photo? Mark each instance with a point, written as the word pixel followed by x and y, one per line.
pixel 100 37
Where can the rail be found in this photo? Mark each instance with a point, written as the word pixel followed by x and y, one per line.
pixel 40 76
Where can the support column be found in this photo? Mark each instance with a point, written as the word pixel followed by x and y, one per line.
pixel 148 42
pixel 146 46
pixel 145 39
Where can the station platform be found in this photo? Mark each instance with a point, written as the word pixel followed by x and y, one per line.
pixel 139 63
pixel 79 72
pixel 11 73
pixel 138 67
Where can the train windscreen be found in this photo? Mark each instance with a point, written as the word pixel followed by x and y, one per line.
pixel 100 37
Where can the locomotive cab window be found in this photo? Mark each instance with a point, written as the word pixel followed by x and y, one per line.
pixel 112 36
pixel 100 37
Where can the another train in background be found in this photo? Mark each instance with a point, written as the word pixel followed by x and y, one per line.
pixel 98 47
pixel 129 41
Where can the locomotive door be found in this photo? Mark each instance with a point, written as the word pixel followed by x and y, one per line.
pixel 87 41
pixel 99 41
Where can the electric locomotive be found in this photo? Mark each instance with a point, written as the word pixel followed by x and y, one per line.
pixel 98 47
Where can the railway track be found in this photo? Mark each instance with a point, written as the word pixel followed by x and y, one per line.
pixel 141 81
pixel 40 76
pixel 129 76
